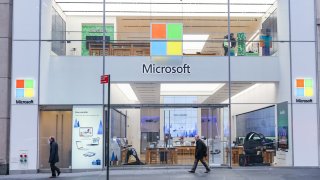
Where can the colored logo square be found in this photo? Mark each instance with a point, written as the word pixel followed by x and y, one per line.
pixel 19 93
pixel 159 31
pixel 308 91
pixel 19 83
pixel 28 93
pixel 300 91
pixel 174 32
pixel 158 48
pixel 308 83
pixel 174 48
pixel 299 83
pixel 28 83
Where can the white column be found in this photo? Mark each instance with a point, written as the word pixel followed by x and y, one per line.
pixel 303 51
pixel 25 65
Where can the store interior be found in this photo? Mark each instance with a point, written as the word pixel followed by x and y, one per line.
pixel 155 123
pixel 170 115
pixel 128 31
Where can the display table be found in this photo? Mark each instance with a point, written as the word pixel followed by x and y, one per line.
pixel 268 156
pixel 186 150
pixel 123 154
pixel 161 155
pixel 236 151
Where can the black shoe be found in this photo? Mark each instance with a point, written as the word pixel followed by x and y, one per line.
pixel 207 171
pixel 59 173
pixel 191 171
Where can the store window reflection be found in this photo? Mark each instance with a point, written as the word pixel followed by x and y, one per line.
pixel 255 139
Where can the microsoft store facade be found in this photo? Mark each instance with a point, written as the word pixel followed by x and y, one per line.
pixel 217 68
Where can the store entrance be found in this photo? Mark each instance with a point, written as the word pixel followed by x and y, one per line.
pixel 59 125
pixel 163 134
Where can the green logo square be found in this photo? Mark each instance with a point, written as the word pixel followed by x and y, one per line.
pixel 308 83
pixel 174 31
pixel 28 84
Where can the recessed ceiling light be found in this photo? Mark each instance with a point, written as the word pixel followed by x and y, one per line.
pixel 189 89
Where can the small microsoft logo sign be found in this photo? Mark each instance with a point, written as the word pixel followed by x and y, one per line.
pixel 24 88
pixel 166 39
pixel 304 87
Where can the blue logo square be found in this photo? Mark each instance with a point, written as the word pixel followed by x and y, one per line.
pixel 19 93
pixel 158 48
pixel 300 91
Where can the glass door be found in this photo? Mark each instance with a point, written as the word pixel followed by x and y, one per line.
pixel 59 125
pixel 215 132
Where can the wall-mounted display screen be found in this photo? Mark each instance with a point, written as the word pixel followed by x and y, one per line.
pixel 181 122
pixel 283 131
pixel 260 121
pixel 150 123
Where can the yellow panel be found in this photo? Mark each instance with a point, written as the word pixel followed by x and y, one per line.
pixel 174 48
pixel 308 92
pixel 28 93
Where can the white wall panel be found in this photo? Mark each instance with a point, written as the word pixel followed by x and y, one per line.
pixel 25 64
pixel 201 69
pixel 76 80
pixel 283 20
pixel 303 64
pixel 24 136
pixel 254 68
pixel 305 135
pixel 302 20
pixel 72 80
pixel 26 19
pixel 46 20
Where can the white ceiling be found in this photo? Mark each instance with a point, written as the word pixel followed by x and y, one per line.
pixel 149 93
pixel 252 8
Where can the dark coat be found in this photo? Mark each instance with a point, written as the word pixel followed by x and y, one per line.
pixel 201 149
pixel 54 157
pixel 232 40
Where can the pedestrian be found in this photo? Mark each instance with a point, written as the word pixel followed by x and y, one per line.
pixel 201 152
pixel 54 157
pixel 233 44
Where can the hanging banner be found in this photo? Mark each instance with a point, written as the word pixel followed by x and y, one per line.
pixel 87 137
pixel 282 114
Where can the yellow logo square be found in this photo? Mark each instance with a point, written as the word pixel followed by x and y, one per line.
pixel 28 93
pixel 308 91
pixel 174 48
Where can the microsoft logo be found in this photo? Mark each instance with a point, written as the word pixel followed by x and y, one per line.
pixel 24 88
pixel 166 39
pixel 304 87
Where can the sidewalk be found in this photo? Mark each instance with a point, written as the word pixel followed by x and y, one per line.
pixel 248 173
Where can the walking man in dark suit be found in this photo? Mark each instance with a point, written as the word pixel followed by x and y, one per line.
pixel 201 152
pixel 54 157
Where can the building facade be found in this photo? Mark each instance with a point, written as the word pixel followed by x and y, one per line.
pixel 5 82
pixel 221 70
